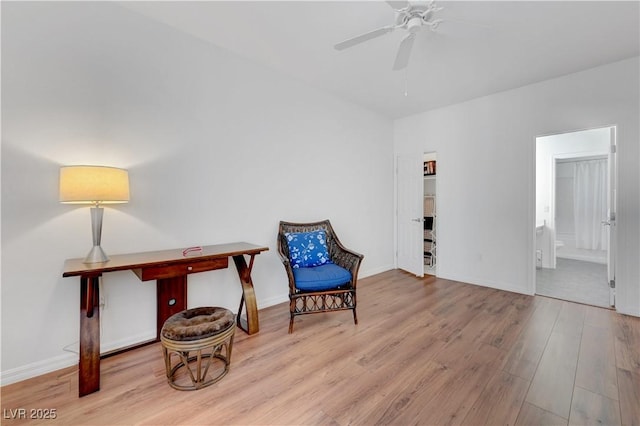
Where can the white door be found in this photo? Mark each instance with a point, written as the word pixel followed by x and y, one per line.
pixel 610 222
pixel 410 250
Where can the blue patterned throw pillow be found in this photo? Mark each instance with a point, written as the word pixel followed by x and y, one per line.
pixel 307 249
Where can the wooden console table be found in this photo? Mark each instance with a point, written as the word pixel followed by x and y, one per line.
pixel 170 268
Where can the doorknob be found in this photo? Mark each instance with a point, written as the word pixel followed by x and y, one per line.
pixel 418 219
pixel 606 223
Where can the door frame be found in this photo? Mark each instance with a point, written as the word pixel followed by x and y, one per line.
pixel 611 265
pixel 612 214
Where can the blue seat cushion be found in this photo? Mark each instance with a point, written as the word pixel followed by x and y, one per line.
pixel 323 277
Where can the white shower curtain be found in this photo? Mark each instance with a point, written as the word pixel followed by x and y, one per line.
pixel 590 204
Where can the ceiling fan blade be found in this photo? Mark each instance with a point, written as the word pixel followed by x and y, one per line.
pixel 404 52
pixel 363 37
pixel 398 4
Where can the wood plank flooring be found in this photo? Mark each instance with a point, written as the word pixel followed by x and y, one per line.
pixel 426 352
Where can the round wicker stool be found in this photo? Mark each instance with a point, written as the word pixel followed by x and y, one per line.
pixel 208 332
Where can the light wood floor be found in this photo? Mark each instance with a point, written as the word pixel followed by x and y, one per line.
pixel 427 351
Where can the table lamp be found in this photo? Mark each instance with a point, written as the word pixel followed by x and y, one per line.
pixel 95 185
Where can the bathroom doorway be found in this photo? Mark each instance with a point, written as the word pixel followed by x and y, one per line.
pixel 575 216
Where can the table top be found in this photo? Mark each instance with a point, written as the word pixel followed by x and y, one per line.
pixel 121 262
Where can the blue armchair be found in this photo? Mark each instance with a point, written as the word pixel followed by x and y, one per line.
pixel 322 273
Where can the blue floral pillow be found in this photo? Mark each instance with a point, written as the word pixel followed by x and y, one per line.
pixel 307 249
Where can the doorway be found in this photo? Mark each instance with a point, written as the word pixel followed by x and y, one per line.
pixel 429 213
pixel 416 213
pixel 575 216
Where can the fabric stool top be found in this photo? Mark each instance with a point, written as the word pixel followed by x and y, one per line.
pixel 197 323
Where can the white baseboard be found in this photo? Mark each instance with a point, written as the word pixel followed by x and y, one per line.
pixel 129 341
pixel 66 360
pixel 37 368
pixel 626 310
pixel 271 301
pixel 583 258
pixel 487 283
pixel 369 272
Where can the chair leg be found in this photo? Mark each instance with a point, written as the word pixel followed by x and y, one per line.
pixel 291 324
pixel 355 317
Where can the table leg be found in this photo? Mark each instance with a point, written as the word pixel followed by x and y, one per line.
pixel 89 368
pixel 171 294
pixel 248 296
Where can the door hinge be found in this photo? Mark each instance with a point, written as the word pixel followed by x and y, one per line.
pixel 613 149
pixel 612 283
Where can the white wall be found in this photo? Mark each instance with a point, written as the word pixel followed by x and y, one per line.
pixel 486 176
pixel 218 149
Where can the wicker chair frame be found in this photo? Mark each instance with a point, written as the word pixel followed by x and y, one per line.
pixel 311 302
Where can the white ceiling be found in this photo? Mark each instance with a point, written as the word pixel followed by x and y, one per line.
pixel 481 47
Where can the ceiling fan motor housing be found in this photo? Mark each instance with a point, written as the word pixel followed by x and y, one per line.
pixel 414 24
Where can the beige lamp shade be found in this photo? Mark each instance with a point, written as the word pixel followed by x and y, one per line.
pixel 93 185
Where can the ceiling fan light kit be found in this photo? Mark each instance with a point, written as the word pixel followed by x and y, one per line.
pixel 414 24
pixel 408 17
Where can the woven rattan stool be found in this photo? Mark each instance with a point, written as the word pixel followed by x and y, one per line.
pixel 208 333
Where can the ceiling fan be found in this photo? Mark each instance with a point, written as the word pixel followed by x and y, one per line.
pixel 408 17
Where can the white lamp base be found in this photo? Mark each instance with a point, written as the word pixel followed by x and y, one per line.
pixel 96 255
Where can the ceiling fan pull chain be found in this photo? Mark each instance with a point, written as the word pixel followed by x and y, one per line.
pixel 406 82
